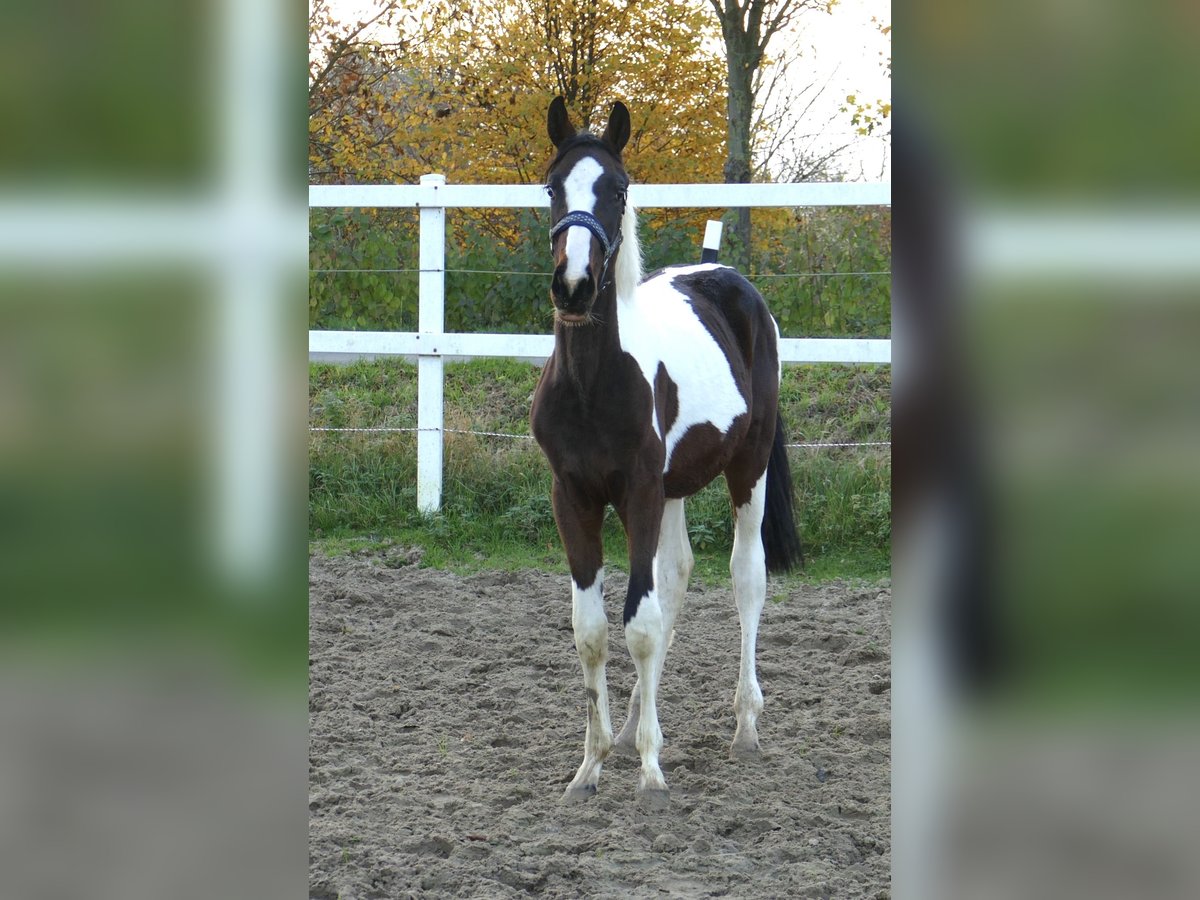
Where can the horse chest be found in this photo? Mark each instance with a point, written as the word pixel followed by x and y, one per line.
pixel 588 437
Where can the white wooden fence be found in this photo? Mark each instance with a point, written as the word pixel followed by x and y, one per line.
pixel 431 344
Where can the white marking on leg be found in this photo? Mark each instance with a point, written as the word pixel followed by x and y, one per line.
pixel 749 570
pixel 580 188
pixel 644 637
pixel 675 562
pixel 591 641
pixel 673 567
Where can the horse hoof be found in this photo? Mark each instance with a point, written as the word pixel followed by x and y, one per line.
pixel 654 799
pixel 579 793
pixel 745 752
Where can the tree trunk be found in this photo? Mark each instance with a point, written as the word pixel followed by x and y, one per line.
pixel 740 63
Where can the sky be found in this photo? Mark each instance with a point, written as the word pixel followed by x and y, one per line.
pixel 841 49
pixel 844 47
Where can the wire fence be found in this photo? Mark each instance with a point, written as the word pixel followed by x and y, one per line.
pixel 417 271
pixel 804 445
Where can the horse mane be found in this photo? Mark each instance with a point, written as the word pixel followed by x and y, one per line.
pixel 629 256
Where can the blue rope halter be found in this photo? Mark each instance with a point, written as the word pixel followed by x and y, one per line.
pixel 592 224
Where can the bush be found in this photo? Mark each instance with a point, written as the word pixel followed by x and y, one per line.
pixel 808 264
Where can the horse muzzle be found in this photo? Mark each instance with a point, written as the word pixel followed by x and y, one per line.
pixel 572 301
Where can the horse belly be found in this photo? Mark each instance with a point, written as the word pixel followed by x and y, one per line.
pixel 700 455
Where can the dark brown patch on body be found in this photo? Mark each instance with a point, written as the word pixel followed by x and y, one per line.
pixel 732 312
pixel 700 456
pixel 666 400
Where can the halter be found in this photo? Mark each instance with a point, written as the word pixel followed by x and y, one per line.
pixel 592 224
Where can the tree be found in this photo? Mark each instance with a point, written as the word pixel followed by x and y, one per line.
pixel 869 116
pixel 505 60
pixel 356 90
pixel 463 90
pixel 747 27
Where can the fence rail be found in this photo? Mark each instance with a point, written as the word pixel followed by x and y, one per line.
pixel 431 344
pixel 345 346
pixel 659 196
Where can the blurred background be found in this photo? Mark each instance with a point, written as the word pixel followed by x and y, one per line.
pixel 153 239
pixel 1046 311
pixel 153 604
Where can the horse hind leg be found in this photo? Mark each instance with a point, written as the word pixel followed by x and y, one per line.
pixel 674 567
pixel 748 567
pixel 591 641
pixel 625 743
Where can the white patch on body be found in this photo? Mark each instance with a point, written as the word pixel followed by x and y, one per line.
pixel 580 187
pixel 658 325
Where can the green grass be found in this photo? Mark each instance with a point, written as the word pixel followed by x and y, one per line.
pixel 496 510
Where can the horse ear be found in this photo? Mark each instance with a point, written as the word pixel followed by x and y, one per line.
pixel 617 132
pixel 558 123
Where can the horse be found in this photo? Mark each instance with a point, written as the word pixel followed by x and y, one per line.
pixel 654 387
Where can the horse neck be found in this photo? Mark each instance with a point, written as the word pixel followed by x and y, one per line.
pixel 583 351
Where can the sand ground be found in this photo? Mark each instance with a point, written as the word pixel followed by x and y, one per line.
pixel 447 716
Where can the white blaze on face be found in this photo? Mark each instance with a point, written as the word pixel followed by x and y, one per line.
pixel 580 186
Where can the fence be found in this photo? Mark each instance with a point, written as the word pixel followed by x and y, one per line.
pixel 431 344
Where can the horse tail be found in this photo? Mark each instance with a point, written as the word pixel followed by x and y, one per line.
pixel 781 542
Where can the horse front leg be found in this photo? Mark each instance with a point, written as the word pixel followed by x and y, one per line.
pixel 644 635
pixel 591 642
pixel 579 526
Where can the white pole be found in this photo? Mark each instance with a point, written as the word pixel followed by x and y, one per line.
pixel 249 490
pixel 431 320
pixel 712 241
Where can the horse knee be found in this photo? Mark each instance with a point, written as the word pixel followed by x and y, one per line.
pixel 592 643
pixel 643 632
pixel 590 623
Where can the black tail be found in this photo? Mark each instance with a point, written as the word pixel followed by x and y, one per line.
pixel 780 540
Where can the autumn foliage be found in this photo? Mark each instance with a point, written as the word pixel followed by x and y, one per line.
pixel 462 89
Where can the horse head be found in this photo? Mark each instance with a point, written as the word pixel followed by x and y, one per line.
pixel 588 186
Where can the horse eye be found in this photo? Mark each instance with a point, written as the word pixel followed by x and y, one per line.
pixel 550 192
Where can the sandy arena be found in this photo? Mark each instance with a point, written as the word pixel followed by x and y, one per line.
pixel 447 716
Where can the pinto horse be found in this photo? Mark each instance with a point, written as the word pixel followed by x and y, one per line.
pixel 654 388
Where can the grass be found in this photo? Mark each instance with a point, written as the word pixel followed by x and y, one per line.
pixel 496 511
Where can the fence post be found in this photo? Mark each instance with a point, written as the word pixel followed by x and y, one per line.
pixel 712 241
pixel 431 321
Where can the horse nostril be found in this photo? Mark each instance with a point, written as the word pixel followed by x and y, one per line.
pixel 579 282
pixel 559 292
